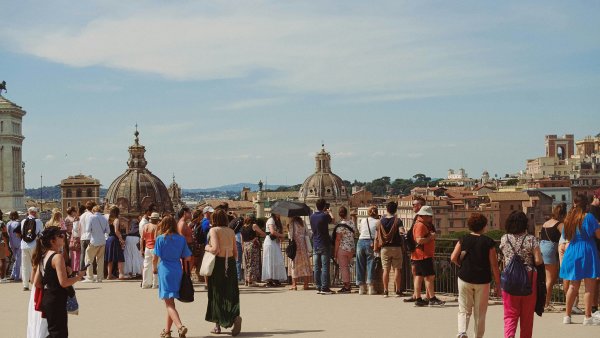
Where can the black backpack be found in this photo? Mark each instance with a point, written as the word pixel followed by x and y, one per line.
pixel 29 233
pixel 411 244
pixel 514 279
pixel 199 235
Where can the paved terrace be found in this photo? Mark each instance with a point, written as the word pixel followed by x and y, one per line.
pixel 122 309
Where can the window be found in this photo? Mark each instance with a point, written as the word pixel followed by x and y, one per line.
pixel 554 197
pixel 78 193
pixel 512 207
pixel 564 198
pixel 452 224
pixel 69 193
pixel 89 193
pixel 68 204
pixel 1 126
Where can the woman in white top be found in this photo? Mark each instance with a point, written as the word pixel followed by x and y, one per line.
pixel 273 270
pixel 364 252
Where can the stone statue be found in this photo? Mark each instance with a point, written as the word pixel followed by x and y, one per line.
pixel 3 87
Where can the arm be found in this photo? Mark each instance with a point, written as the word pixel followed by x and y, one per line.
pixel 258 230
pixel 235 252
pixel 58 262
pixel 338 240
pixel 495 270
pixel 213 243
pixel 37 277
pixel 597 233
pixel 537 256
pixel 456 254
pixel 142 244
pixel 155 264
pixel 116 224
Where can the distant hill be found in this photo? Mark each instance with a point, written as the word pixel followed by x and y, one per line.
pixel 233 188
pixel 51 193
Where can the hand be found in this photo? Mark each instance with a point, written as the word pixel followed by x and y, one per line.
pixel 142 253
pixel 81 274
pixel 155 272
pixel 498 291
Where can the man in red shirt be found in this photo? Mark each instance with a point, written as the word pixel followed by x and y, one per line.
pixel 422 258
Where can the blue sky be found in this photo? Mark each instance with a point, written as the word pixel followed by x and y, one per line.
pixel 228 92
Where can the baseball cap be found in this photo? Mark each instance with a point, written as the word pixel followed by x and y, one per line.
pixel 425 211
pixel 32 209
pixel 155 215
pixel 208 209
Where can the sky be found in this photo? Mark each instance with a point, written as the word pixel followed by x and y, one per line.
pixel 227 92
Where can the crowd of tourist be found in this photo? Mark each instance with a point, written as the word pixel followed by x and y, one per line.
pixel 160 248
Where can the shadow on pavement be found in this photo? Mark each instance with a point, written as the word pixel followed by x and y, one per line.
pixel 261 334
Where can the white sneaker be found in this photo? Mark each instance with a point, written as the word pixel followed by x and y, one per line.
pixel 567 320
pixel 362 289
pixel 462 335
pixel 88 280
pixel 591 321
pixel 577 311
pixel 372 290
pixel 596 314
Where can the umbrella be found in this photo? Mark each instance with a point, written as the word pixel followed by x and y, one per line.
pixel 290 209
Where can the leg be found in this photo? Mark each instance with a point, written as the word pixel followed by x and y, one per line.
pixel 26 266
pixel 90 253
pixel 418 280
pixel 370 264
pixel 571 295
pixel 325 260
pixel 173 314
pixel 480 306
pixel 361 264
pixel 465 305
pixel 430 286
pixel 398 279
pixel 512 306
pixel 317 270
pixel 590 285
pixel 386 278
pixel 344 261
pixel 551 274
pixel 83 257
pixel 3 268
pixel 147 269
pixel 110 270
pixel 16 270
pixel 528 310
pixel 100 262
pixel 120 266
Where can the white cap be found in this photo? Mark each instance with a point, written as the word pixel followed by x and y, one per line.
pixel 32 209
pixel 425 211
pixel 208 209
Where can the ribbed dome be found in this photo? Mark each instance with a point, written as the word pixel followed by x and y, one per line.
pixel 137 188
pixel 323 183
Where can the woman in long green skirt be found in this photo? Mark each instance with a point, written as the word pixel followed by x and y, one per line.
pixel 223 306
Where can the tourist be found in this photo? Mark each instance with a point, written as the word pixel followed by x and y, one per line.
pixel 146 218
pixel 549 238
pixel 595 210
pixel 133 259
pixel 475 254
pixel 273 270
pixel 98 228
pixel 31 227
pixel 184 216
pixel 299 267
pixel 344 249
pixel 115 245
pixel 198 252
pixel 518 242
pixel 84 233
pixel 4 251
pixel 14 235
pixel 148 238
pixel 251 244
pixel 236 225
pixel 223 307
pixel 390 232
pixel 37 326
pixel 53 275
pixel 581 261
pixel 422 258
pixel 365 267
pixel 56 220
pixel 417 203
pixel 319 224
pixel 70 245
pixel 75 243
pixel 170 251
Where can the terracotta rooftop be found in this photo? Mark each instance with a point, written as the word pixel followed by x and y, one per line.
pixel 508 196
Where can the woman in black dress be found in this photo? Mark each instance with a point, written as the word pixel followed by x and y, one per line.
pixel 115 245
pixel 52 276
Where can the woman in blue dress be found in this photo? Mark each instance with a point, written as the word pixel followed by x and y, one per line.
pixel 581 261
pixel 172 249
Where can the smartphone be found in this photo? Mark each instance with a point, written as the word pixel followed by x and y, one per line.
pixel 85 267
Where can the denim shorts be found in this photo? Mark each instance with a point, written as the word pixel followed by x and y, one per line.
pixel 549 251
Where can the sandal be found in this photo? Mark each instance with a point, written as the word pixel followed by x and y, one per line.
pixel 165 334
pixel 293 288
pixel 182 331
pixel 237 326
pixel 216 330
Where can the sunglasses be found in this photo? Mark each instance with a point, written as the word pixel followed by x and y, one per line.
pixel 61 235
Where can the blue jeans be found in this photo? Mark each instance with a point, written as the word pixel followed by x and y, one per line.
pixel 321 257
pixel 364 261
pixel 16 269
pixel 238 261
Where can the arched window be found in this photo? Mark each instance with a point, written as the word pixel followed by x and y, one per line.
pixel 78 193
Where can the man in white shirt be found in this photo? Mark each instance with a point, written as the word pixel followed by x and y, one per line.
pixel 31 227
pixel 97 226
pixel 85 236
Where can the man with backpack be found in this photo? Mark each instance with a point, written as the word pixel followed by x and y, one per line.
pixel 319 223
pixel 31 227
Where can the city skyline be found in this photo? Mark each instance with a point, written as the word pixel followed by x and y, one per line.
pixel 226 93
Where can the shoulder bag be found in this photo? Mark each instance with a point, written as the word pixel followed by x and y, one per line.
pixel 290 251
pixel 186 289
pixel 208 263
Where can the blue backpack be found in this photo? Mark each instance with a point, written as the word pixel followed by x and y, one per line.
pixel 515 278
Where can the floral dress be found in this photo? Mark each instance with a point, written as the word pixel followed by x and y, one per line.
pixel 300 266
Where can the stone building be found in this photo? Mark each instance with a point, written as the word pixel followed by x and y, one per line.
pixel 175 195
pixel 12 175
pixel 137 188
pixel 78 189
pixel 324 184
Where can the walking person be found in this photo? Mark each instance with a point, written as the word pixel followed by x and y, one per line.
pixel 390 232
pixel 251 246
pixel 475 254
pixel 149 278
pixel 85 234
pixel 549 238
pixel 31 227
pixel 184 216
pixel 97 226
pixel 170 253
pixel 299 267
pixel 273 270
pixel 319 224
pixel 581 261
pixel 365 256
pixel 223 307
pixel 53 276
pixel 69 221
pixel 417 203
pixel 519 310
pixel 14 242
pixel 115 245
pixel 344 249
pixel 4 252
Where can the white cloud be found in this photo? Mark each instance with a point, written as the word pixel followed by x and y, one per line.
pixel 49 157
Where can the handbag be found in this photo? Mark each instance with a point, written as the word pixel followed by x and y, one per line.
pixel 186 289
pixel 75 244
pixel 290 251
pixel 377 265
pixel 208 264
pixel 72 305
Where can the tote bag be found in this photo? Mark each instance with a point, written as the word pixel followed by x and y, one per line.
pixel 208 264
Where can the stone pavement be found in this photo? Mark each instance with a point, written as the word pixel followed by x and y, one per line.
pixel 121 309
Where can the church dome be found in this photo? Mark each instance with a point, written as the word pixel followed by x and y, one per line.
pixel 137 188
pixel 323 183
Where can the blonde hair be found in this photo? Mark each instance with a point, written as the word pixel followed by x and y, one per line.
pixel 55 220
